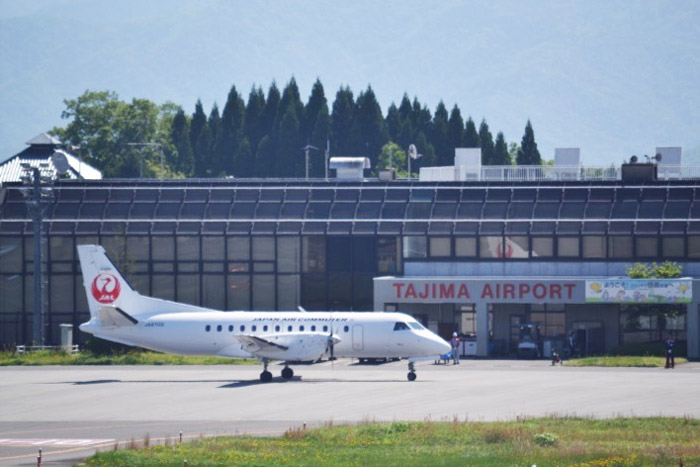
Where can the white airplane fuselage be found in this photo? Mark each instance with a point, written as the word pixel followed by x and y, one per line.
pixel 118 313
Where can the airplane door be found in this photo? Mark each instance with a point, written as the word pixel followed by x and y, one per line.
pixel 357 337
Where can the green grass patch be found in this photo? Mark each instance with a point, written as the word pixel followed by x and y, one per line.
pixel 526 442
pixel 622 361
pixel 134 357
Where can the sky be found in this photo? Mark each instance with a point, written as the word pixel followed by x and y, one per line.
pixel 613 78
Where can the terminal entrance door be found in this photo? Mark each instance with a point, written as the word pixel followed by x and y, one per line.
pixel 515 321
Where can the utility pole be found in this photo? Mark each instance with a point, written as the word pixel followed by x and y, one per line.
pixel 36 196
pixel 328 153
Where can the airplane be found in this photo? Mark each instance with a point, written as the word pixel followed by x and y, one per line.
pixel 120 314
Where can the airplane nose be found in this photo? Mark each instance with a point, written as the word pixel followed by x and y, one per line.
pixel 439 346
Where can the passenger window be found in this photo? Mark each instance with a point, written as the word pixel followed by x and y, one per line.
pixel 254 327
pixel 346 328
pixel 289 328
pixel 301 328
pixel 277 328
pixel 265 328
pixel 313 328
pixel 242 328
pixel 207 328
pixel 325 328
pixel 230 328
pixel 219 328
pixel 399 326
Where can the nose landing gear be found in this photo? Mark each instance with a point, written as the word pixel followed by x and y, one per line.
pixel 411 371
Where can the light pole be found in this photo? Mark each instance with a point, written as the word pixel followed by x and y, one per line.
pixel 412 154
pixel 37 194
pixel 141 146
pixel 306 150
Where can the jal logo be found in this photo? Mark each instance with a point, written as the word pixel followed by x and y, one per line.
pixel 105 288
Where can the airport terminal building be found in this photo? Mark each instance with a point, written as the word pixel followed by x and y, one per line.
pixel 477 257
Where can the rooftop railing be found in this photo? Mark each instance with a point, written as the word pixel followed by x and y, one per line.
pixel 536 173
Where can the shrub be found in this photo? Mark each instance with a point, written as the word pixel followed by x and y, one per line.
pixel 545 439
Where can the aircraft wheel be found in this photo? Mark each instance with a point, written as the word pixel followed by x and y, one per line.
pixel 411 376
pixel 287 373
pixel 265 376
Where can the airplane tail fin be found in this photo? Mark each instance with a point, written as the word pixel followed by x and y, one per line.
pixel 105 286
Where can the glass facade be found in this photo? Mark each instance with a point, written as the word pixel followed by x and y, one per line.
pixel 273 245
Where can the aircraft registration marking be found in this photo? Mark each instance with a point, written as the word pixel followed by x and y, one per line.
pixel 52 442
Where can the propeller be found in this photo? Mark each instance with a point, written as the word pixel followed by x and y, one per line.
pixel 331 343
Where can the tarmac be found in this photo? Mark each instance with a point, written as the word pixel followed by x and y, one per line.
pixel 71 412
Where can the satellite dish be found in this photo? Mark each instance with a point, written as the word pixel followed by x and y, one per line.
pixel 658 157
pixel 413 152
pixel 633 160
pixel 60 162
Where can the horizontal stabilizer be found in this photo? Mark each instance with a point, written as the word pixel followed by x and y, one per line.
pixel 111 316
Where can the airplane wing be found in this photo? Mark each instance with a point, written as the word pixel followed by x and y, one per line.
pixel 290 347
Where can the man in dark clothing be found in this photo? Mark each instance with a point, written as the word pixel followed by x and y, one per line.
pixel 670 361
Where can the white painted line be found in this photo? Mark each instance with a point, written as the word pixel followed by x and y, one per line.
pixel 53 442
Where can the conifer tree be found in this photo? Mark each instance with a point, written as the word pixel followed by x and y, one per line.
pixel 405 109
pixel 443 154
pixel 199 121
pixel 244 161
pixel 317 102
pixel 500 151
pixel 180 139
pixel 288 155
pixel 528 153
pixel 231 133
pixel 265 158
pixel 271 104
pixel 368 132
pixel 471 137
pixel 253 128
pixel 405 137
pixel 455 131
pixel 486 142
pixel 393 122
pixel 342 117
pixel 319 138
pixel 210 161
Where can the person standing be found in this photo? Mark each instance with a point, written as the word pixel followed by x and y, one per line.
pixel 670 360
pixel 455 348
pixel 572 344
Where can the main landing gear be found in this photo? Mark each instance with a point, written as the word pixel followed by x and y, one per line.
pixel 266 376
pixel 411 371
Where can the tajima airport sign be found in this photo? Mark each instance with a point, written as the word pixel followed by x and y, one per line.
pixel 492 291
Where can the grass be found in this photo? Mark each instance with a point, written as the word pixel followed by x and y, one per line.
pixel 525 442
pixel 53 357
pixel 622 361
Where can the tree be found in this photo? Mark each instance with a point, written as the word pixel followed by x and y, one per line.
pixel 253 128
pixel 528 153
pixel 486 142
pixel 183 158
pixel 199 121
pixel 342 118
pixel 471 137
pixel 443 153
pixel 455 130
pixel 244 161
pixel 231 134
pixel 392 156
pixel 368 132
pixel 317 103
pixel 393 122
pixel 288 154
pixel 319 138
pixel 500 151
pixel 264 158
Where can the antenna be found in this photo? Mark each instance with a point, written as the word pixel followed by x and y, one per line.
pixel 60 162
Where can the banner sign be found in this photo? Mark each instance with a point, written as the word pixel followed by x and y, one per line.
pixel 639 291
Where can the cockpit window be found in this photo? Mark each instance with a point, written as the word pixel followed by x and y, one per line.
pixel 416 326
pixel 400 326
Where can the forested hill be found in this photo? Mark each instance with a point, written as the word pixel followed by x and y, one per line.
pixel 263 135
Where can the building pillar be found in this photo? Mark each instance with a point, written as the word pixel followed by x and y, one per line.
pixel 693 330
pixel 482 330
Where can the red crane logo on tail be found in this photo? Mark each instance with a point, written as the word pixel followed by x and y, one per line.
pixel 106 288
